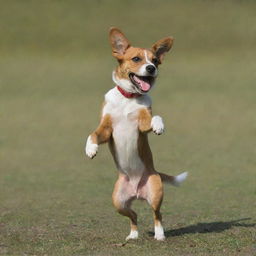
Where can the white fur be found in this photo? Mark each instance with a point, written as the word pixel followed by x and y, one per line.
pixel 159 233
pixel 124 113
pixel 147 59
pixel 126 84
pixel 91 148
pixel 149 62
pixel 179 179
pixel 142 70
pixel 134 234
pixel 157 125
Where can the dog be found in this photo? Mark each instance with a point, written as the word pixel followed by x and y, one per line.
pixel 126 120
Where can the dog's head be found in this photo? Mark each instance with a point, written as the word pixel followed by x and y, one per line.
pixel 138 67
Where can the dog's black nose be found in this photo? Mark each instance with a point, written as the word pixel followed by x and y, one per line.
pixel 151 69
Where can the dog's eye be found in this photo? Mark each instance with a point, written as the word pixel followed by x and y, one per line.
pixel 136 59
pixel 155 61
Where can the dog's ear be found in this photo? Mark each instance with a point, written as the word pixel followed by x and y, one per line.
pixel 161 47
pixel 118 42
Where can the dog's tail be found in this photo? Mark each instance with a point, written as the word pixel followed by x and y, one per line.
pixel 173 180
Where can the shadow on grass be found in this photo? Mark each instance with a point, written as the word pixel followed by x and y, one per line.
pixel 218 226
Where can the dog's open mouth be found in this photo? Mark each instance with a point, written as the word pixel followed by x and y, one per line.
pixel 142 83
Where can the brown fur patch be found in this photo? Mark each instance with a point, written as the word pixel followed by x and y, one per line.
pixel 144 125
pixel 145 152
pixel 145 117
pixel 104 130
pixel 161 47
pixel 156 191
pixel 118 42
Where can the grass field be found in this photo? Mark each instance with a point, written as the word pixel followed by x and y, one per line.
pixel 55 67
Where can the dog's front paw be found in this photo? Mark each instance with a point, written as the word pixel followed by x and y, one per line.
pixel 91 148
pixel 157 125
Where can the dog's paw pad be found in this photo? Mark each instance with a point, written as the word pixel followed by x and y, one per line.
pixel 91 148
pixel 157 125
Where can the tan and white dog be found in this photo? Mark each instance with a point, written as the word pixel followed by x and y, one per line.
pixel 125 123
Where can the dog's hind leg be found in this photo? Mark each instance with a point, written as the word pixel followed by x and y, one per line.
pixel 155 198
pixel 122 198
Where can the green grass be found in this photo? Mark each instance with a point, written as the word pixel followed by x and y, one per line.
pixel 55 67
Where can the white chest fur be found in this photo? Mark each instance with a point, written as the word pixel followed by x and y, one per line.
pixel 124 115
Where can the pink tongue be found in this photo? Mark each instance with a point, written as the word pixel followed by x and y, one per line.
pixel 144 85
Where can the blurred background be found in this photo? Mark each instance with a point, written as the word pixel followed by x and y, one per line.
pixel 55 67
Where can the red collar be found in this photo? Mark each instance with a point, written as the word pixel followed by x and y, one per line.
pixel 127 94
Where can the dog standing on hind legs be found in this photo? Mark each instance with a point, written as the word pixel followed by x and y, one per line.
pixel 125 123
